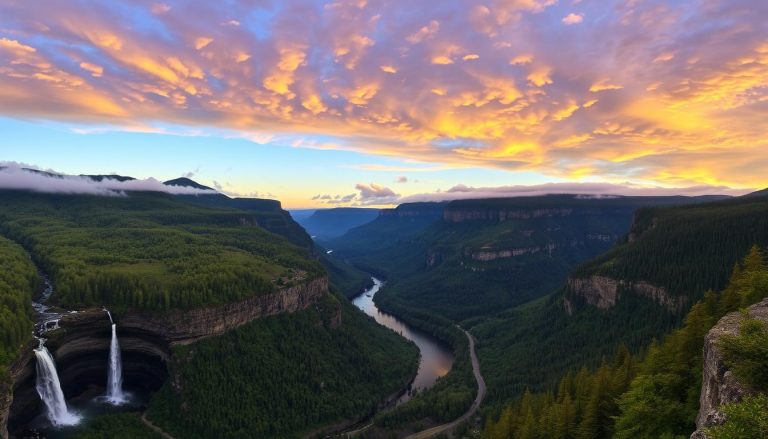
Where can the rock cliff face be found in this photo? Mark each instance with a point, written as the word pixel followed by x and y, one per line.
pixel 80 346
pixel 188 326
pixel 462 214
pixel 602 292
pixel 719 386
pixel 415 210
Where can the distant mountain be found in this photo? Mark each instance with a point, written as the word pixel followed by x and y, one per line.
pixel 326 224
pixel 186 182
pixel 761 193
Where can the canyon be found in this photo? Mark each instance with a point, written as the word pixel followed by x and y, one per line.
pixel 81 345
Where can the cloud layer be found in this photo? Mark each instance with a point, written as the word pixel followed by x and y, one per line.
pixel 14 176
pixel 662 92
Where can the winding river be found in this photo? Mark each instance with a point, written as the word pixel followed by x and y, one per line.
pixel 436 359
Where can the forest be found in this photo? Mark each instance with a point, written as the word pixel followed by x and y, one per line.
pixel 654 394
pixel 702 241
pixel 284 376
pixel 19 281
pixel 150 250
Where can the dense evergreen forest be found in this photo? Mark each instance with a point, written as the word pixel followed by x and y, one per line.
pixel 654 394
pixel 18 283
pixel 118 426
pixel 284 376
pixel 150 250
pixel 478 267
pixel 702 241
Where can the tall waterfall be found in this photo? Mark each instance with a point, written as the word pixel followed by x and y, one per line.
pixel 115 393
pixel 49 389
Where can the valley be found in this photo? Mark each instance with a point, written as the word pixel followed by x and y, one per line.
pixel 472 305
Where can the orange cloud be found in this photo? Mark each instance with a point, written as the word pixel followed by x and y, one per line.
pixel 361 78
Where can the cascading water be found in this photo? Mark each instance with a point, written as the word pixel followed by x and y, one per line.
pixel 49 388
pixel 115 393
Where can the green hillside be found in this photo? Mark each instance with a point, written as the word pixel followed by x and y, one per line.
pixel 694 247
pixel 533 345
pixel 656 394
pixel 150 250
pixel 18 284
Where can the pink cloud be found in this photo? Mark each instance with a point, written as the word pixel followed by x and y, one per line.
pixel 473 83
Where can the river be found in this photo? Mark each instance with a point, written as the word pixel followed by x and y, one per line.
pixel 436 359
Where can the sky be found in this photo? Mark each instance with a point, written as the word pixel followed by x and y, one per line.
pixel 376 102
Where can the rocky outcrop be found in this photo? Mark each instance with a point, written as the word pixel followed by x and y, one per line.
pixel 603 292
pixel 188 326
pixel 719 386
pixel 490 255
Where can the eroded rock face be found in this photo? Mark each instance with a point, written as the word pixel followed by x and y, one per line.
pixel 603 291
pixel 719 386
pixel 80 346
pixel 460 214
pixel 188 326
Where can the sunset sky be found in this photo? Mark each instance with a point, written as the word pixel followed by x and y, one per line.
pixel 326 103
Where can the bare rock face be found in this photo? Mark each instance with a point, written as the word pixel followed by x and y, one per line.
pixel 188 326
pixel 461 214
pixel 603 291
pixel 719 385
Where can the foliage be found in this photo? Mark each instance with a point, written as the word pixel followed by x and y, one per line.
pixel 747 419
pixel 693 247
pixel 746 354
pixel 18 282
pixel 661 400
pixel 150 250
pixel 118 426
pixel 283 376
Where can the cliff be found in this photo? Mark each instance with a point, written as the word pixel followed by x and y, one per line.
pixel 603 292
pixel 188 326
pixel 461 214
pixel 719 385
pixel 81 344
pixel 415 210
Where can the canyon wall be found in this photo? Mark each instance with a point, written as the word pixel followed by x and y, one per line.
pixel 719 386
pixel 80 346
pixel 603 292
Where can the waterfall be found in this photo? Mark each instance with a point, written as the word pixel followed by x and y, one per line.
pixel 115 393
pixel 49 389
